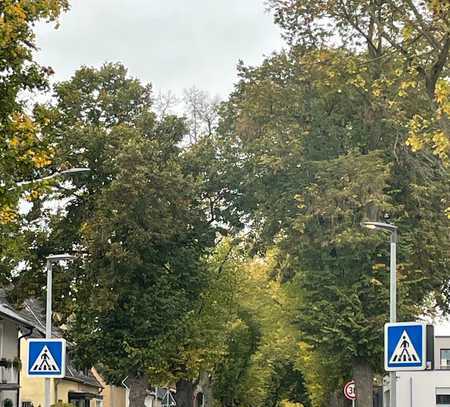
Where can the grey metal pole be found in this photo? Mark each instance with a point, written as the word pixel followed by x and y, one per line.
pixel 393 308
pixel 48 325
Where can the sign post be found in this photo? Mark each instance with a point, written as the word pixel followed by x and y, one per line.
pixel 350 391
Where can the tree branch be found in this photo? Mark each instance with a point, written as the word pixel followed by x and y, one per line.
pixel 348 17
pixel 439 65
pixel 421 27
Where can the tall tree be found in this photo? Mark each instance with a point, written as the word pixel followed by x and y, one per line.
pixel 259 365
pixel 311 156
pixel 415 32
pixel 137 219
pixel 201 111
pixel 24 155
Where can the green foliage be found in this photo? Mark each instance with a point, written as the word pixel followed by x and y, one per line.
pixel 24 153
pixel 413 33
pixel 242 344
pixel 262 343
pixel 308 154
pixel 311 143
pixel 138 219
pixel 211 324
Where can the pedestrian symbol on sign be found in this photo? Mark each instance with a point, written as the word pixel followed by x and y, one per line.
pixel 404 351
pixel 45 362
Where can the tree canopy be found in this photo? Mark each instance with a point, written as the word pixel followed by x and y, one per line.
pixel 24 153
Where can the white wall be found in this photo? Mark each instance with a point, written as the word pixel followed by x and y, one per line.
pixel 9 339
pixel 418 389
pixel 8 350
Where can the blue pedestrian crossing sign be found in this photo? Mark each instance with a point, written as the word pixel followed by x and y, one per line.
pixel 46 358
pixel 405 346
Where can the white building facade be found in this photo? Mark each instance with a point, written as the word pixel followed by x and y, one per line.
pixel 429 388
pixel 11 327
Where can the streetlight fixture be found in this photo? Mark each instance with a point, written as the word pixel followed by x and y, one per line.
pixel 52 259
pixel 392 229
pixel 70 171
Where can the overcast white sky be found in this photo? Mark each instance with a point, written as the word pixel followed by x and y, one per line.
pixel 174 44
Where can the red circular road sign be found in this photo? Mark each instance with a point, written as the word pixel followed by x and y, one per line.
pixel 349 390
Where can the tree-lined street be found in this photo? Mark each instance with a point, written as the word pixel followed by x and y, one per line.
pixel 218 246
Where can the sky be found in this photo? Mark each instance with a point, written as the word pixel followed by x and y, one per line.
pixel 174 44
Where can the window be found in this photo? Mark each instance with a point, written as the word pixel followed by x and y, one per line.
pixel 200 399
pixel 445 358
pixel 79 402
pixel 27 404
pixel 443 397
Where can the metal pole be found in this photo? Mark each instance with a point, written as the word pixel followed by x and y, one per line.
pixel 411 391
pixel 48 325
pixel 393 308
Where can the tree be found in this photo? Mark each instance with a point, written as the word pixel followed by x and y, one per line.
pixel 311 155
pixel 259 367
pixel 24 154
pixel 210 326
pixel 138 221
pixel 201 111
pixel 164 103
pixel 414 32
pixel 146 240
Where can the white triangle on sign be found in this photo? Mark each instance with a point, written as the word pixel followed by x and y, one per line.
pixel 404 351
pixel 45 362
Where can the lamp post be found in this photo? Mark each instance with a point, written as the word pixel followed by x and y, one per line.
pixel 70 171
pixel 55 258
pixel 392 229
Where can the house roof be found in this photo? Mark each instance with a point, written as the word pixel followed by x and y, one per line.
pixel 79 376
pixel 33 311
pixel 8 312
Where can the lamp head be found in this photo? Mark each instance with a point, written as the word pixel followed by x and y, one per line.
pixel 75 170
pixel 59 257
pixel 379 225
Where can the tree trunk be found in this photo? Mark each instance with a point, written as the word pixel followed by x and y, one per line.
pixel 363 377
pixel 206 386
pixel 138 390
pixel 185 393
pixel 337 399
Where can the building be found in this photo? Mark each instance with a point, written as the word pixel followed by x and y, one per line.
pixel 81 388
pixel 113 396
pixel 13 329
pixel 429 388
pixel 160 397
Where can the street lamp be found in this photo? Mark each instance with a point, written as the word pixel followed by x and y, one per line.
pixel 70 171
pixel 54 258
pixel 392 229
